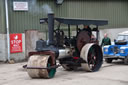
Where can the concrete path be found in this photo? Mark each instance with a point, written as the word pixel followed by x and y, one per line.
pixel 110 74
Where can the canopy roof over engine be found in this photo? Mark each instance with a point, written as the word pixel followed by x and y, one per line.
pixel 82 21
pixel 78 21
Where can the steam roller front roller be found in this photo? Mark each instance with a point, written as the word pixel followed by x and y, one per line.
pixel 92 54
pixel 37 66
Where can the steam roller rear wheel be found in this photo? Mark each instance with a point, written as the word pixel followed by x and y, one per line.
pixel 92 54
pixel 43 61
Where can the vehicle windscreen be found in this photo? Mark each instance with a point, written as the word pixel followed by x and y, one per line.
pixel 122 38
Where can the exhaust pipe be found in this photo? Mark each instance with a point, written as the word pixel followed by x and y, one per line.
pixel 51 28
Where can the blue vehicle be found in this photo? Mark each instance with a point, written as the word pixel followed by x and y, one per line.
pixel 119 50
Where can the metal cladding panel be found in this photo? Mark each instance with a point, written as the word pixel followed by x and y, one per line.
pixel 2 17
pixel 24 20
pixel 115 11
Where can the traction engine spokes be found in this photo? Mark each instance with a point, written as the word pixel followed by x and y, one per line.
pixel 92 54
pixel 92 58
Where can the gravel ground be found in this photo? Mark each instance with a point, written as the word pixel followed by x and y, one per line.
pixel 109 74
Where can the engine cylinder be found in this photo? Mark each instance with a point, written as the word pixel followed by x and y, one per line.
pixel 64 53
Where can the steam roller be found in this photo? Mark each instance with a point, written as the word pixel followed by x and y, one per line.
pixel 72 52
pixel 38 61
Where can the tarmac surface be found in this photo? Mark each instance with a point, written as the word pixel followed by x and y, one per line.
pixel 115 73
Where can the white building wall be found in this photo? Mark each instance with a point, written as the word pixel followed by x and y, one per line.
pixel 112 33
pixel 3 47
pixel 15 56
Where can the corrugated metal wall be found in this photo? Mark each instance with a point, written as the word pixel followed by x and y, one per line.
pixel 116 11
pixel 20 21
pixel 2 17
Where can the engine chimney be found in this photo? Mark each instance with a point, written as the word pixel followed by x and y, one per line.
pixel 51 28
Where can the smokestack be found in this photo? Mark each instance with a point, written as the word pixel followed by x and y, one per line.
pixel 51 28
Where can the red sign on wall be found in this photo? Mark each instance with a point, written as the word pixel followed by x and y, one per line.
pixel 15 43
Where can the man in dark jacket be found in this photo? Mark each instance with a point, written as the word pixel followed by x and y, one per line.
pixel 106 40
